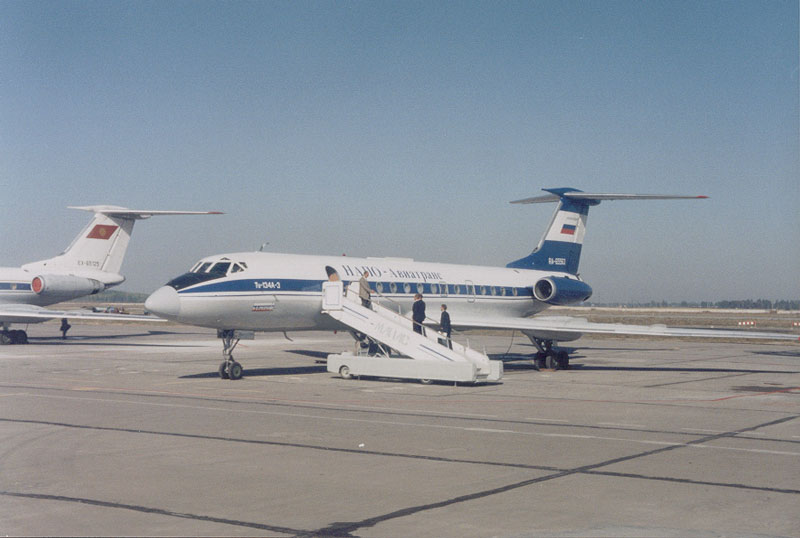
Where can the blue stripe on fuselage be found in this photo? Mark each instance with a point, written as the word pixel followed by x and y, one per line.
pixel 265 285
pixel 278 285
pixel 15 286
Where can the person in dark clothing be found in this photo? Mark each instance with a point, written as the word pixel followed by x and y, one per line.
pixel 444 325
pixel 418 311
pixel 65 326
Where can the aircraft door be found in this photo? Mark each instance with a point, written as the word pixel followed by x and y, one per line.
pixel 333 274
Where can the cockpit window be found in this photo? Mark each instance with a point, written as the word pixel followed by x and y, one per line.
pixel 236 268
pixel 203 268
pixel 220 269
pixel 190 279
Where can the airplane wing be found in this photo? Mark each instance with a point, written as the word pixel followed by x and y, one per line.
pixel 23 313
pixel 567 328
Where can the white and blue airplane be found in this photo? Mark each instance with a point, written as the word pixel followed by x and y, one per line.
pixel 89 265
pixel 260 291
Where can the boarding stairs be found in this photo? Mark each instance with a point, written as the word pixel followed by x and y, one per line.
pixel 426 357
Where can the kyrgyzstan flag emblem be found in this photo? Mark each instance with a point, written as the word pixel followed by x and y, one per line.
pixel 102 231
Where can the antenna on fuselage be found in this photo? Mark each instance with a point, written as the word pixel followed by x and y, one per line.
pixel 261 248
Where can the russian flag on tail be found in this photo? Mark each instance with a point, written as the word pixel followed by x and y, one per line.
pixel 568 229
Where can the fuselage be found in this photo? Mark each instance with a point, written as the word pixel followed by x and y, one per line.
pixel 35 285
pixel 15 287
pixel 278 292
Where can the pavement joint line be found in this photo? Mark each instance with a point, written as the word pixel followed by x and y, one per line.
pixel 150 510
pixel 417 425
pixel 668 446
pixel 164 394
pixel 347 528
pixel 307 405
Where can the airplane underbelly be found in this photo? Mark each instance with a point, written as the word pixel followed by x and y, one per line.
pixel 262 312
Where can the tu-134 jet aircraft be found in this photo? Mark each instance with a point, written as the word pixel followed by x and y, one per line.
pixel 89 265
pixel 260 291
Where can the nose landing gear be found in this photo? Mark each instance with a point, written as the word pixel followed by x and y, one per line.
pixel 230 369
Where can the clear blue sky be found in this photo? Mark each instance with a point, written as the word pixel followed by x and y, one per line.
pixel 404 128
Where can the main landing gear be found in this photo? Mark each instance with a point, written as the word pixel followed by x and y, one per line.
pixel 230 369
pixel 16 336
pixel 547 357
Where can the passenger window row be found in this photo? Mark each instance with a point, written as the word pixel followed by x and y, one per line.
pixel 444 289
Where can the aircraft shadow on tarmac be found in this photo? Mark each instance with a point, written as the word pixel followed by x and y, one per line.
pixel 783 353
pixel 676 369
pixel 600 368
pixel 310 353
pixel 256 372
pixel 104 340
pixel 572 350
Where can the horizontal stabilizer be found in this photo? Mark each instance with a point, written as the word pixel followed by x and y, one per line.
pixel 560 246
pixel 125 213
pixel 558 194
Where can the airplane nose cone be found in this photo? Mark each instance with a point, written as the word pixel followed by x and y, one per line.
pixel 164 302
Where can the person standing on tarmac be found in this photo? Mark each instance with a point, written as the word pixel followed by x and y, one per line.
pixel 65 326
pixel 418 313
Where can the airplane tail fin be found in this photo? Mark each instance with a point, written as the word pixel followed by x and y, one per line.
pixel 101 246
pixel 560 247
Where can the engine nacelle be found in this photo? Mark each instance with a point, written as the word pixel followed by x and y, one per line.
pixel 559 290
pixel 67 286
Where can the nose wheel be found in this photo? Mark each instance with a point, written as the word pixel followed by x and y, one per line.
pixel 229 369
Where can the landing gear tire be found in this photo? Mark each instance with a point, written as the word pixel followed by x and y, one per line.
pixel 562 360
pixel 235 370
pixel 344 371
pixel 552 361
pixel 223 370
pixel 425 381
pixel 539 360
pixel 17 336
